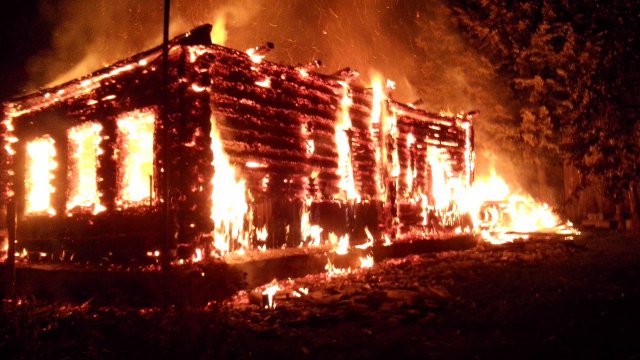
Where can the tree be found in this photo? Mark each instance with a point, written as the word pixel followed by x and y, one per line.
pixel 572 67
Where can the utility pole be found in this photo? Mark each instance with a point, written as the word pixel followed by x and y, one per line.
pixel 167 231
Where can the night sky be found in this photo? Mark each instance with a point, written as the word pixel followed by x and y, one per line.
pixel 24 33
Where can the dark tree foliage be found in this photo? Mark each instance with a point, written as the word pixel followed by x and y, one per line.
pixel 573 69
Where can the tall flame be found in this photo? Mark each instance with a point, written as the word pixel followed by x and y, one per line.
pixel 310 233
pixel 39 176
pixel 219 31
pixel 84 147
pixel 439 177
pixel 228 197
pixel 135 154
pixel 376 129
pixel 345 168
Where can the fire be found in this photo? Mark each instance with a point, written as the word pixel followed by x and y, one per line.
pixel 439 178
pixel 219 32
pixel 4 248
pixel 377 105
pixel 345 168
pixel 366 262
pixel 255 55
pixel 503 215
pixel 228 197
pixel 332 270
pixel 84 147
pixel 265 82
pixel 340 244
pixel 270 291
pixel 369 242
pixel 310 233
pixel 10 139
pixel 39 176
pixel 198 255
pixel 135 157
pixel 411 171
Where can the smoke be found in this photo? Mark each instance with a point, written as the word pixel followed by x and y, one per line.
pixel 414 43
pixel 360 34
pixel 368 36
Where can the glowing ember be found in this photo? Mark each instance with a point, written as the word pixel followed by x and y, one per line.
pixel 155 253
pixel 265 83
pixel 39 176
pixel 270 291
pixel 228 197
pixel 135 157
pixel 255 55
pixel 198 255
pixel 4 248
pixel 310 146
pixel 300 292
pixel 9 139
pixel 255 165
pixel 84 147
pixel 332 270
pixel 345 168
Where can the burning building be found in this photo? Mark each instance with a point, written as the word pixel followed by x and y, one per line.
pixel 212 151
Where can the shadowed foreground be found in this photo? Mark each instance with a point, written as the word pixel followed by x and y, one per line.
pixel 537 299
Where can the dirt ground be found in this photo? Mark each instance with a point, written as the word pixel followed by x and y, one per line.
pixel 526 300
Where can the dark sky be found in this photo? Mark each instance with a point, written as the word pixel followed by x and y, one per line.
pixel 23 35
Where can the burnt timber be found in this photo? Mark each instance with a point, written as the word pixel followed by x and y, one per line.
pixel 271 126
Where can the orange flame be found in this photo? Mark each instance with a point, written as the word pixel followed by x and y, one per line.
pixel 135 154
pixel 228 197
pixel 41 163
pixel 340 244
pixel 219 32
pixel 377 105
pixel 503 215
pixel 271 290
pixel 345 168
pixel 84 147
pixel 366 262
pixel 310 233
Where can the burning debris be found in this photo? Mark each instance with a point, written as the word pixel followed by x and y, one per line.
pixel 246 156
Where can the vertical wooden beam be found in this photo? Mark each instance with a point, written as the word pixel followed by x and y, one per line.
pixel 10 265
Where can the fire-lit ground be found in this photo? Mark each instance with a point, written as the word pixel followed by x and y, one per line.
pixel 535 299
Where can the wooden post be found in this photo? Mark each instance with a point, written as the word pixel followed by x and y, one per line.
pixel 10 264
pixel 633 208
